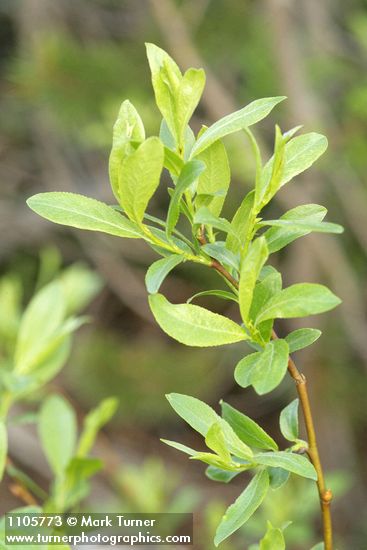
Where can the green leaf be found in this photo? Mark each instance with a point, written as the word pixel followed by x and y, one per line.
pixel 128 127
pixel 264 369
pixel 289 421
pixel 189 174
pixel 205 217
pixel 319 546
pixel 166 78
pixel 195 412
pixel 216 177
pixel 57 430
pixel 273 539
pixel 180 447
pixel 268 287
pixel 176 96
pixel 241 224
pixel 219 251
pixel 247 430
pixel 249 115
pixel 301 338
pixel 251 266
pixel 246 368
pixel 80 285
pixel 172 162
pixel 163 237
pixel 215 460
pixel 270 178
pixel 193 325
pixel 3 447
pixel 278 477
pixel 93 422
pixel 219 293
pixel 216 442
pixel 271 367
pixel 288 461
pixel 37 326
pixel 299 300
pixel 279 237
pixel 201 417
pixel 158 271
pixel 82 212
pixel 300 153
pixel 189 94
pixel 217 474
pixel 302 225
pixel 243 508
pixel 139 177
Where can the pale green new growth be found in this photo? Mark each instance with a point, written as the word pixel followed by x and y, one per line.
pixel 236 248
pixel 57 430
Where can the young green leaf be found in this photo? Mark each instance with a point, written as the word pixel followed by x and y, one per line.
pixel 269 181
pixel 189 93
pixel 241 224
pixel 172 162
pixel 289 421
pixel 219 293
pixel 215 179
pixel 264 369
pixel 301 338
pixel 245 369
pixel 193 325
pixel 37 326
pixel 251 266
pixel 216 442
pixel 189 174
pixel 243 508
pixel 249 115
pixel 166 78
pixel 288 461
pixel 3 447
pixel 279 237
pixel 278 477
pixel 247 430
pixel 205 217
pixel 201 417
pixel 158 271
pixel 176 96
pixel 273 539
pixel 82 212
pixel 57 430
pixel 139 178
pixel 299 300
pixel 265 289
pixel 195 412
pixel 217 474
pixel 271 366
pixel 216 461
pixel 300 153
pixel 180 447
pixel 93 422
pixel 302 225
pixel 219 251
pixel 128 127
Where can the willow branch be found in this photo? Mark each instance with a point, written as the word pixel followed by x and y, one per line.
pixel 325 495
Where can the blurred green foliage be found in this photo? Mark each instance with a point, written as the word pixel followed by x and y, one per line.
pixel 76 65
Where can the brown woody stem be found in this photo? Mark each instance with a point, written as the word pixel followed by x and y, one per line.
pixel 325 495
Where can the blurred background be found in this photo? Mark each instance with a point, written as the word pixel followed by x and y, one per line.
pixel 65 67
